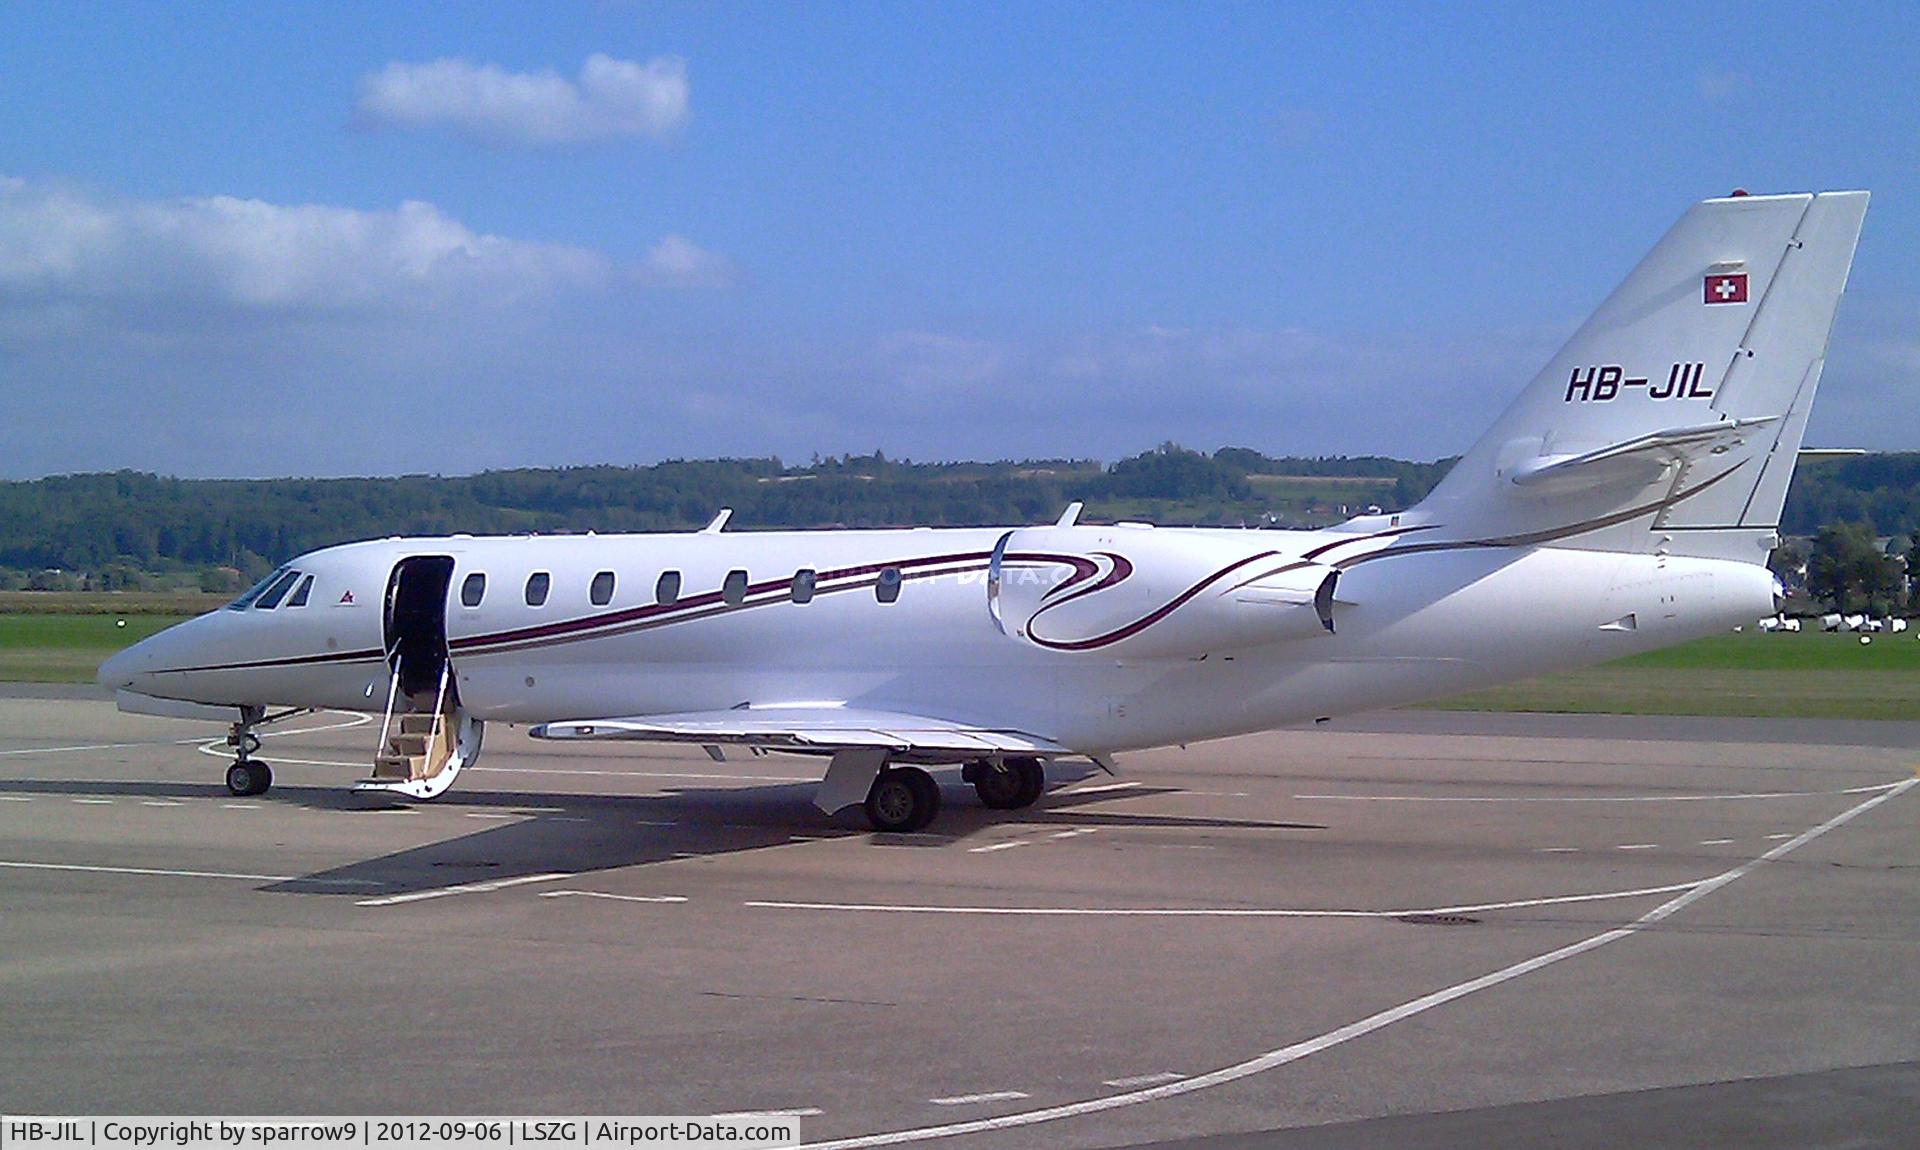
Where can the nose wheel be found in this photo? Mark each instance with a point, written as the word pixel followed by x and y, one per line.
pixel 251 777
pixel 248 775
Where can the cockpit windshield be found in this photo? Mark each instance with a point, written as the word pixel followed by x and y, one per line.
pixel 267 593
pixel 253 592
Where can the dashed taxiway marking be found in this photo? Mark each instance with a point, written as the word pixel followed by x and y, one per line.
pixel 1714 842
pixel 156 872
pixel 621 898
pixel 988 1096
pixel 1101 789
pixel 16 798
pixel 1216 912
pixel 1559 850
pixel 1637 847
pixel 1143 1080
pixel 1284 1055
pixel 1865 790
pixel 790 1112
pixel 490 815
pixel 93 802
pixel 161 803
pixel 1030 840
pixel 239 806
pixel 463 888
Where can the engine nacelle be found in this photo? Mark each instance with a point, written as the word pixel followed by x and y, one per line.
pixel 1151 593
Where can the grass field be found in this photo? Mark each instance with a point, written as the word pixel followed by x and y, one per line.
pixel 1809 675
pixel 68 648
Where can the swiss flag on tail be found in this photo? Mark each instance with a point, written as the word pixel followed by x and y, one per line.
pixel 1727 287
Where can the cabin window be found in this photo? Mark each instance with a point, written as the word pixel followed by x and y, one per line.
pixel 601 593
pixel 473 589
pixel 804 581
pixel 270 598
pixel 301 592
pixel 667 591
pixel 538 584
pixel 887 587
pixel 734 590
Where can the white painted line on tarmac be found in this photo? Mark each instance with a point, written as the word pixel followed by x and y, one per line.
pixel 656 822
pixel 1218 912
pixel 1099 790
pixel 159 873
pixel 1072 834
pixel 1365 1026
pixel 1866 790
pixel 161 803
pixel 989 1096
pixel 792 1112
pixel 240 806
pixel 93 802
pixel 1778 837
pixel 1638 847
pixel 487 815
pixel 1143 1080
pixel 16 798
pixel 1559 850
pixel 621 898
pixel 463 888
pixel 1005 846
pixel 1714 842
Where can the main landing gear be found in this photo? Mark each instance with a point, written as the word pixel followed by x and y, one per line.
pixel 902 799
pixel 905 799
pixel 1006 784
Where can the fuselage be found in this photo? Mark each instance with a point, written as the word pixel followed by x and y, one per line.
pixel 1127 636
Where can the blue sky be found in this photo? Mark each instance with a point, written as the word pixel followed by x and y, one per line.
pixel 263 239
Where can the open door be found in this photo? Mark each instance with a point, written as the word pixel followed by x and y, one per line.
pixel 415 621
pixel 426 736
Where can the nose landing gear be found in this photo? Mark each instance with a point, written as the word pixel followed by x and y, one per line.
pixel 248 775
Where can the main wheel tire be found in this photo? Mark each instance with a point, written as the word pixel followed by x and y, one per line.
pixel 1001 786
pixel 249 778
pixel 1033 781
pixel 903 799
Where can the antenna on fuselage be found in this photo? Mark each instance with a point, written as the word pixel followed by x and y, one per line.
pixel 719 523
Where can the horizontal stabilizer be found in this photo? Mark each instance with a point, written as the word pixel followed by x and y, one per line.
pixel 811 728
pixel 1640 459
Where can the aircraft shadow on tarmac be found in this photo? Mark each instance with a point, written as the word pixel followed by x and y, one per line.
pixel 580 834
pixel 583 833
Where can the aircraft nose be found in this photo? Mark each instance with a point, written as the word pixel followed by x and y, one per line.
pixel 127 670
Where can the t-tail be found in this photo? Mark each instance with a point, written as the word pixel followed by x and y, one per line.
pixel 1670 422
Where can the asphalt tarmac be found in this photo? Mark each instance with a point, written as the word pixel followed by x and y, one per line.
pixel 1411 929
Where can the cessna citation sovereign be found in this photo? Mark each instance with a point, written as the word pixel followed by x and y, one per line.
pixel 1626 500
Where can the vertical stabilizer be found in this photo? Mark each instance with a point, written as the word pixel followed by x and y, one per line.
pixel 1671 420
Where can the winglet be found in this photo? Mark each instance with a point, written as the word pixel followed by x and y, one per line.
pixel 719 523
pixel 1071 515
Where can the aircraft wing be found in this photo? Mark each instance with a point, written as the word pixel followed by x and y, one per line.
pixel 812 728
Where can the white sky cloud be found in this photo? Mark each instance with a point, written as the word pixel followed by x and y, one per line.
pixel 610 99
pixel 59 244
pixel 677 261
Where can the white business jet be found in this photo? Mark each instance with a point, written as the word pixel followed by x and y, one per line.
pixel 1627 500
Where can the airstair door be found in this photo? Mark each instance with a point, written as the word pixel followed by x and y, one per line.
pixel 425 735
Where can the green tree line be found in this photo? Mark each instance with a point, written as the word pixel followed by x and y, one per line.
pixel 113 527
